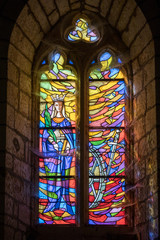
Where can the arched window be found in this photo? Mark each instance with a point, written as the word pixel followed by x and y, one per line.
pixel 106 142
pixel 57 141
pixel 82 133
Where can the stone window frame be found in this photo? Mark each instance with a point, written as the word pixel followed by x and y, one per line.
pixel 55 40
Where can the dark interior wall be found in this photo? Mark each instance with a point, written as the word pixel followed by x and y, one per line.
pixel 22 36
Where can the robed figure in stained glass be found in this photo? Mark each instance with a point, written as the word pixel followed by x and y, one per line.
pixel 57 141
pixel 58 149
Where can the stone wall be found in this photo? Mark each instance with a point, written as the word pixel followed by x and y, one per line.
pixel 36 19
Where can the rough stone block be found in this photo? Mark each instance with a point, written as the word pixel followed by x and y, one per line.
pixel 62 6
pixel 115 11
pixel 27 188
pixel 13 73
pixel 89 8
pixel 144 149
pixel 137 22
pixel 142 39
pixel 20 60
pixel 137 82
pixel 141 194
pixel 105 5
pixel 39 14
pixel 139 171
pixel 151 163
pixel 15 209
pixel 22 169
pixel 10 221
pixel 48 6
pixel 25 83
pixel 29 25
pixel 24 104
pixel 73 1
pixel 9 161
pixel 24 214
pixel 151 94
pixel 53 18
pixel 10 116
pixel 23 125
pixel 139 129
pixel 8 205
pixel 19 40
pixel 152 139
pixel 126 14
pixel 147 53
pixel 15 144
pixel 14 186
pixel 94 3
pixel 139 105
pixel 135 66
pixel 75 5
pixel 149 71
pixel 12 95
pixel 28 152
pixel 150 119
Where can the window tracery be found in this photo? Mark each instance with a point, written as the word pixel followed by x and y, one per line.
pixel 57 142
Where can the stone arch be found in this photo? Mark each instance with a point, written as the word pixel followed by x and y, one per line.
pixel 36 19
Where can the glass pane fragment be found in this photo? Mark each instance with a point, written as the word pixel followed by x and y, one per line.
pixel 106 152
pixel 106 104
pixel 57 142
pixel 106 201
pixel 57 199
pixel 83 32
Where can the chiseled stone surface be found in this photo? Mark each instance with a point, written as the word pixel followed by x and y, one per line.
pixel 126 15
pixel 75 5
pixel 39 14
pixel 104 6
pixel 30 26
pixel 94 3
pixel 25 83
pixel 63 6
pixel 12 93
pixel 147 54
pixel 138 82
pixel 134 28
pixel 54 17
pixel 151 94
pixel 48 5
pixel 13 72
pixel 139 104
pixel 150 119
pixel 22 43
pixel 142 39
pixel 149 70
pixel 115 11
pixel 19 59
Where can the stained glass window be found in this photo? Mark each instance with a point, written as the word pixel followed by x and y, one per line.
pixel 59 145
pixel 82 32
pixel 106 143
pixel 57 141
